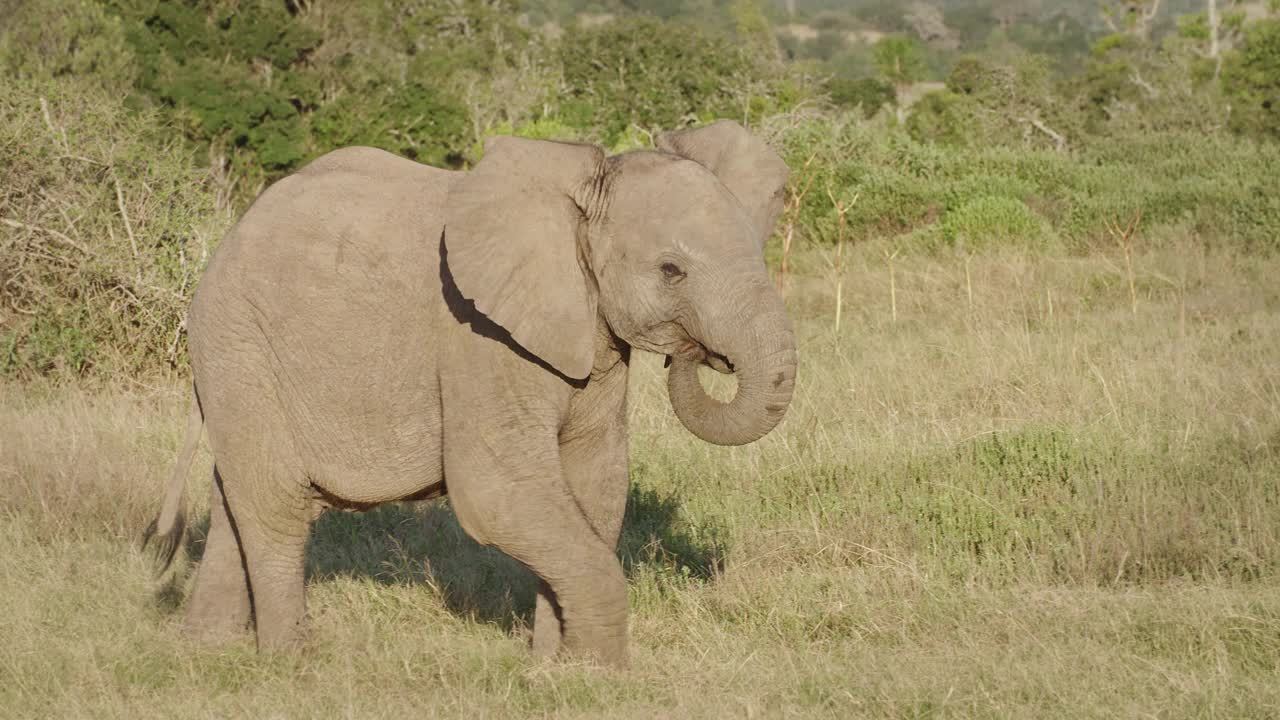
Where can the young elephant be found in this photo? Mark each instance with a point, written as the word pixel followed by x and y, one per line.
pixel 377 330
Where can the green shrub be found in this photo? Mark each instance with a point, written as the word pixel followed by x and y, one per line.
pixel 993 221
pixel 415 121
pixel 649 72
pixel 941 117
pixel 964 190
pixel 1223 189
pixel 1252 80
pixel 57 38
pixel 543 129
pixel 239 71
pixel 1011 104
pixel 866 93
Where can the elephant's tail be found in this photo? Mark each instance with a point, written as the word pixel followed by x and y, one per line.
pixel 167 529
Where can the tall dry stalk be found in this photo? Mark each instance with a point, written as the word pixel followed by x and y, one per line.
pixel 893 284
pixel 791 211
pixel 842 209
pixel 968 284
pixel 1124 238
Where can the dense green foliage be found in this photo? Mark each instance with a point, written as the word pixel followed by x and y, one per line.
pixel 1048 125
pixel 239 70
pixel 639 70
pixel 1252 79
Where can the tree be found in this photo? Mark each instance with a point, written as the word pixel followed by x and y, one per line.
pixel 928 23
pixel 1131 17
pixel 900 61
pixel 1014 104
pixel 1216 30
pixel 237 75
pixel 752 27
pixel 1251 78
pixel 1008 13
pixel 866 93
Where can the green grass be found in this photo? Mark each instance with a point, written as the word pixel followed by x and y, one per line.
pixel 1024 498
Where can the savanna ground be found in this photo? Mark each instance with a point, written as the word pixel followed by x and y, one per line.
pixel 1029 494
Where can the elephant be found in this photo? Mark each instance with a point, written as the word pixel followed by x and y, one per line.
pixel 376 330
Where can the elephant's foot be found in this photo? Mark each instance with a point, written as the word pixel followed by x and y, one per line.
pixel 218 608
pixel 214 631
pixel 275 564
pixel 594 618
pixel 282 639
pixel 604 645
pixel 546 624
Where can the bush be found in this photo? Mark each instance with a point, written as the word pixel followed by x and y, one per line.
pixel 59 38
pixel 652 73
pixel 1252 79
pixel 105 225
pixel 415 121
pixel 239 71
pixel 993 221
pixel 988 104
pixel 940 117
pixel 1223 189
pixel 867 94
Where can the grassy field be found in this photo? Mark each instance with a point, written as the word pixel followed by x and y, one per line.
pixel 1007 487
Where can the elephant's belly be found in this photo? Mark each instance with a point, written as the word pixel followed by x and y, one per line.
pixel 329 499
pixel 364 440
pixel 374 467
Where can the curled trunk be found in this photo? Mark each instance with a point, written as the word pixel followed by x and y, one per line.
pixel 763 355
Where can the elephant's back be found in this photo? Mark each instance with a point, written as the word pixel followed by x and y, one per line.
pixel 329 287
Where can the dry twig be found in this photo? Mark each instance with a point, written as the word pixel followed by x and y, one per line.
pixel 1124 238
pixel 128 226
pixel 842 209
pixel 795 201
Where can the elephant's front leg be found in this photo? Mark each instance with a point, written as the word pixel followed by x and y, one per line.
pixel 593 453
pixel 509 489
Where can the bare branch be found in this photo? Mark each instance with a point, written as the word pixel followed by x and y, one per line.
pixel 1155 10
pixel 128 226
pixel 53 233
pixel 1060 142
pixel 1146 86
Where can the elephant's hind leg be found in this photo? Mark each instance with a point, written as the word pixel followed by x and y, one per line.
pixel 273 515
pixel 219 605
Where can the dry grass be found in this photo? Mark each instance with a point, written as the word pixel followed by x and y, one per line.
pixel 1033 504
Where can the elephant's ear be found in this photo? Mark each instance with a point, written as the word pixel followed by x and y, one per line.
pixel 512 243
pixel 752 171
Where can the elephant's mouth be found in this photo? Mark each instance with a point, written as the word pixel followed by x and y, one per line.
pixel 695 352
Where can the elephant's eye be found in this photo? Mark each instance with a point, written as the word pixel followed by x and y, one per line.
pixel 672 272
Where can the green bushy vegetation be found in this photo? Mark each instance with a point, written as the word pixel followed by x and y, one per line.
pixel 1011 152
pixel 1250 78
pixel 1222 188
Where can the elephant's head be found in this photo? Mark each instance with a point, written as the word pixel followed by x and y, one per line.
pixel 665 246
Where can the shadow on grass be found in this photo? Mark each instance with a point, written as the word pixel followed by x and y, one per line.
pixel 423 544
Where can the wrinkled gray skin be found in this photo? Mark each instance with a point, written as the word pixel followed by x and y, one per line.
pixel 377 330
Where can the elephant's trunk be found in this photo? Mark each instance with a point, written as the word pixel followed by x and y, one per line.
pixel 760 346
